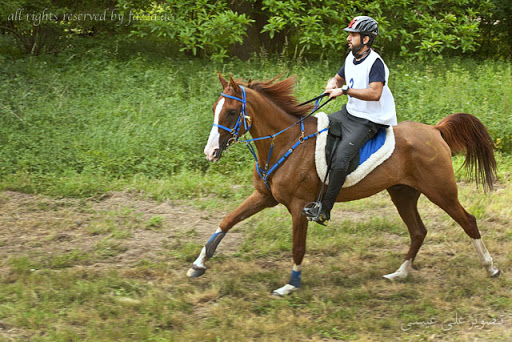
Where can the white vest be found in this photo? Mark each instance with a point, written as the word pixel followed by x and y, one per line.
pixel 357 77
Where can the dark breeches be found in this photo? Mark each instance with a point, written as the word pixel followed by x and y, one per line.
pixel 354 133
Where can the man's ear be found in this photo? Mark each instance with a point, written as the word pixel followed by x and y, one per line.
pixel 223 82
pixel 366 40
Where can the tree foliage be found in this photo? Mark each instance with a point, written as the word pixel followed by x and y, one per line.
pixel 211 28
pixel 409 27
pixel 197 26
pixel 43 25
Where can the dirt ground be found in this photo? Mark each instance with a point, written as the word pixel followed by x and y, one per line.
pixel 37 225
pixel 40 225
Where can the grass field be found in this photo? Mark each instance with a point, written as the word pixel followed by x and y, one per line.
pixel 106 199
pixel 114 269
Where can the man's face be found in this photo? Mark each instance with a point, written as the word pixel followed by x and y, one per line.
pixel 354 41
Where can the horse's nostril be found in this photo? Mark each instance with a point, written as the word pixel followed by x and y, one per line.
pixel 216 154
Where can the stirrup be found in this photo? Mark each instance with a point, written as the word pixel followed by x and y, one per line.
pixel 313 212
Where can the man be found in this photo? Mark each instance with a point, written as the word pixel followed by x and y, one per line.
pixel 363 78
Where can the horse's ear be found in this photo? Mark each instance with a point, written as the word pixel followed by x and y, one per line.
pixel 233 84
pixel 223 82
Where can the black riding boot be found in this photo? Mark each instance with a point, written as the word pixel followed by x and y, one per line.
pixel 336 180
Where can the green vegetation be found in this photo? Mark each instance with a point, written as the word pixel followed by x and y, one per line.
pixel 86 123
pixel 220 28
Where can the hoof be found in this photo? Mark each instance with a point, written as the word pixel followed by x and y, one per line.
pixel 285 290
pixel 393 277
pixel 398 275
pixel 496 274
pixel 195 272
pixel 402 272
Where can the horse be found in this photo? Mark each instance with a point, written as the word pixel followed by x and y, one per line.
pixel 421 163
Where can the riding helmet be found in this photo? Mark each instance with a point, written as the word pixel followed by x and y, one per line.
pixel 365 25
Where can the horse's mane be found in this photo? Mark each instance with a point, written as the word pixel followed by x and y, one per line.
pixel 281 93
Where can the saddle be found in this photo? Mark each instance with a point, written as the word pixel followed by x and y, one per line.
pixel 371 155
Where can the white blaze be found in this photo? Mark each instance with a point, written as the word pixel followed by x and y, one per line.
pixel 213 140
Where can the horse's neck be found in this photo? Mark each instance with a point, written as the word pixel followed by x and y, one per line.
pixel 268 120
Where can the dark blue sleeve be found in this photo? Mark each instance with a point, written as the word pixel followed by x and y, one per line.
pixel 341 73
pixel 377 73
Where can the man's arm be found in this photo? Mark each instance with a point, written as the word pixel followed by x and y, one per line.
pixel 373 93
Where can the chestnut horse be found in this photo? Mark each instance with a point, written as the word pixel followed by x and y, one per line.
pixel 420 164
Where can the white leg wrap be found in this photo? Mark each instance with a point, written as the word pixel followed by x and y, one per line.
pixel 402 272
pixel 485 258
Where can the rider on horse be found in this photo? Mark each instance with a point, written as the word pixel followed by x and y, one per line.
pixel 370 107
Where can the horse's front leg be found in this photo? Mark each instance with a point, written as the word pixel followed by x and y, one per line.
pixel 300 230
pixel 252 205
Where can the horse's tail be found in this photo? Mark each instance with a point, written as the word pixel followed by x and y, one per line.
pixel 465 133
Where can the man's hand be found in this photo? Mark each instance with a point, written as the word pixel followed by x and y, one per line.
pixel 334 92
pixel 331 84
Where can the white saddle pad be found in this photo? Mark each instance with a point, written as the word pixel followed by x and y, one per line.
pixel 362 170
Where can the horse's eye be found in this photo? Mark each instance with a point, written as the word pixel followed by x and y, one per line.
pixel 231 112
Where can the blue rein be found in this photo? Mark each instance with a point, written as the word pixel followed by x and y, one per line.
pixel 265 172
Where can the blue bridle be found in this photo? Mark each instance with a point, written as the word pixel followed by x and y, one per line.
pixel 235 131
pixel 265 172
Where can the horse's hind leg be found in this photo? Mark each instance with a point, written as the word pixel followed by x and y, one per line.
pixel 405 199
pixel 448 201
pixel 252 205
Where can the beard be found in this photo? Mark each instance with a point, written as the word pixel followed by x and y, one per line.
pixel 355 48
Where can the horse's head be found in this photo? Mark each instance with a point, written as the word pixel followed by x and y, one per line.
pixel 230 119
